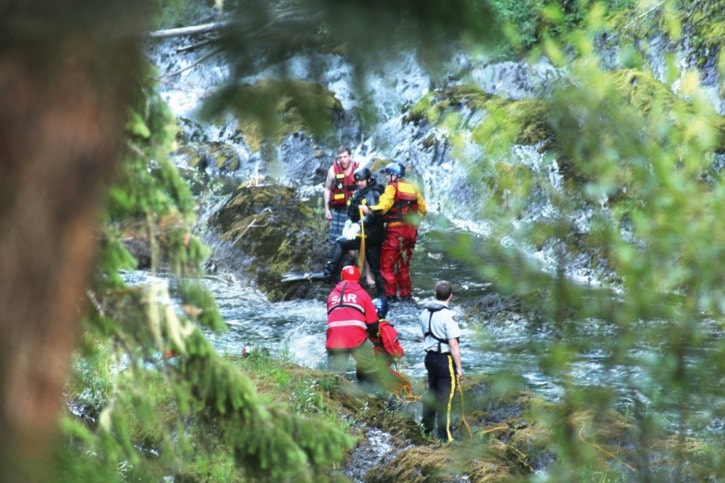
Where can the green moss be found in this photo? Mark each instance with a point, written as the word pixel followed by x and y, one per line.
pixel 506 121
pixel 514 122
pixel 296 106
pixel 420 110
pixel 468 95
pixel 277 232
pixel 652 98
pixel 435 105
pixel 641 90
pixel 526 121
pixel 703 23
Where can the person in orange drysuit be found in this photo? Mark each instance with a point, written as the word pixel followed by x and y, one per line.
pixel 403 207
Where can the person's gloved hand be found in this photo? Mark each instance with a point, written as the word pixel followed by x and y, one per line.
pixel 350 230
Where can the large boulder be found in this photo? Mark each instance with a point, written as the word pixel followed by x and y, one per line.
pixel 266 230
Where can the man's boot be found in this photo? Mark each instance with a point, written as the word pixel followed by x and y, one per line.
pixel 332 267
pixel 329 272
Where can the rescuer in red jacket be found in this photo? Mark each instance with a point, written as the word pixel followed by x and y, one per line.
pixel 351 318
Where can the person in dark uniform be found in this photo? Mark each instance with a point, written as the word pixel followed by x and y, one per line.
pixel 372 229
pixel 441 335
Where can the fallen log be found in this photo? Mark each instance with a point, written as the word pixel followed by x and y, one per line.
pixel 189 31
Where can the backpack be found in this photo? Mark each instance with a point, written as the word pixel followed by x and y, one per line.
pixel 387 340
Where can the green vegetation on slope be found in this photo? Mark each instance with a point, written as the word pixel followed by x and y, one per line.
pixel 158 400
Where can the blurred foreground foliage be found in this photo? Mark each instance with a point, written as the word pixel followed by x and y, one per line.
pixel 631 176
pixel 647 178
pixel 155 400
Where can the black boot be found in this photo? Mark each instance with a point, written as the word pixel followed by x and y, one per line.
pixel 332 267
pixel 329 272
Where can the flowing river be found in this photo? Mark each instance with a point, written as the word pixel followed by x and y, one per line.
pixel 295 330
pixel 514 345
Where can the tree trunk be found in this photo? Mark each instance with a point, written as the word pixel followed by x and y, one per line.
pixel 63 97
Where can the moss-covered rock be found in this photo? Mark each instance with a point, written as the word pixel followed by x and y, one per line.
pixel 298 106
pixel 582 146
pixel 223 157
pixel 514 122
pixel 271 231
pixel 507 121
pixel 651 97
pixel 436 105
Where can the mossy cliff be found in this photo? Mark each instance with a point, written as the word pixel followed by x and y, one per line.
pixel 504 122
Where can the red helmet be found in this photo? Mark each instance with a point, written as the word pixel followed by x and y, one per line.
pixel 350 273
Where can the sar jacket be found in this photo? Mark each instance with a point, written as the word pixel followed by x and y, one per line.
pixel 350 313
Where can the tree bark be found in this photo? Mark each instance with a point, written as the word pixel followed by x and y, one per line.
pixel 63 100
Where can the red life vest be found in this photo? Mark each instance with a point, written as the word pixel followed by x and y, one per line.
pixel 387 340
pixel 388 347
pixel 349 311
pixel 343 186
pixel 405 206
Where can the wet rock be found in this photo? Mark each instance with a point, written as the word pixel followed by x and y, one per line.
pixel 369 454
pixel 138 247
pixel 265 230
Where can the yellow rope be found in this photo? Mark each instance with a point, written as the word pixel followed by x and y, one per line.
pixel 361 255
pixel 463 412
pixel 495 429
pixel 595 446
pixel 405 393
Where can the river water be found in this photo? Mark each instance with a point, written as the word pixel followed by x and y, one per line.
pixel 514 344
pixel 511 345
pixel 295 330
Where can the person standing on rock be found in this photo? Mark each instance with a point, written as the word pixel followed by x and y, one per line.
pixel 351 320
pixel 441 336
pixel 339 187
pixel 402 206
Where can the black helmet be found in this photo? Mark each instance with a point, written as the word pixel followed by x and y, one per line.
pixel 381 306
pixel 362 173
pixel 396 169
